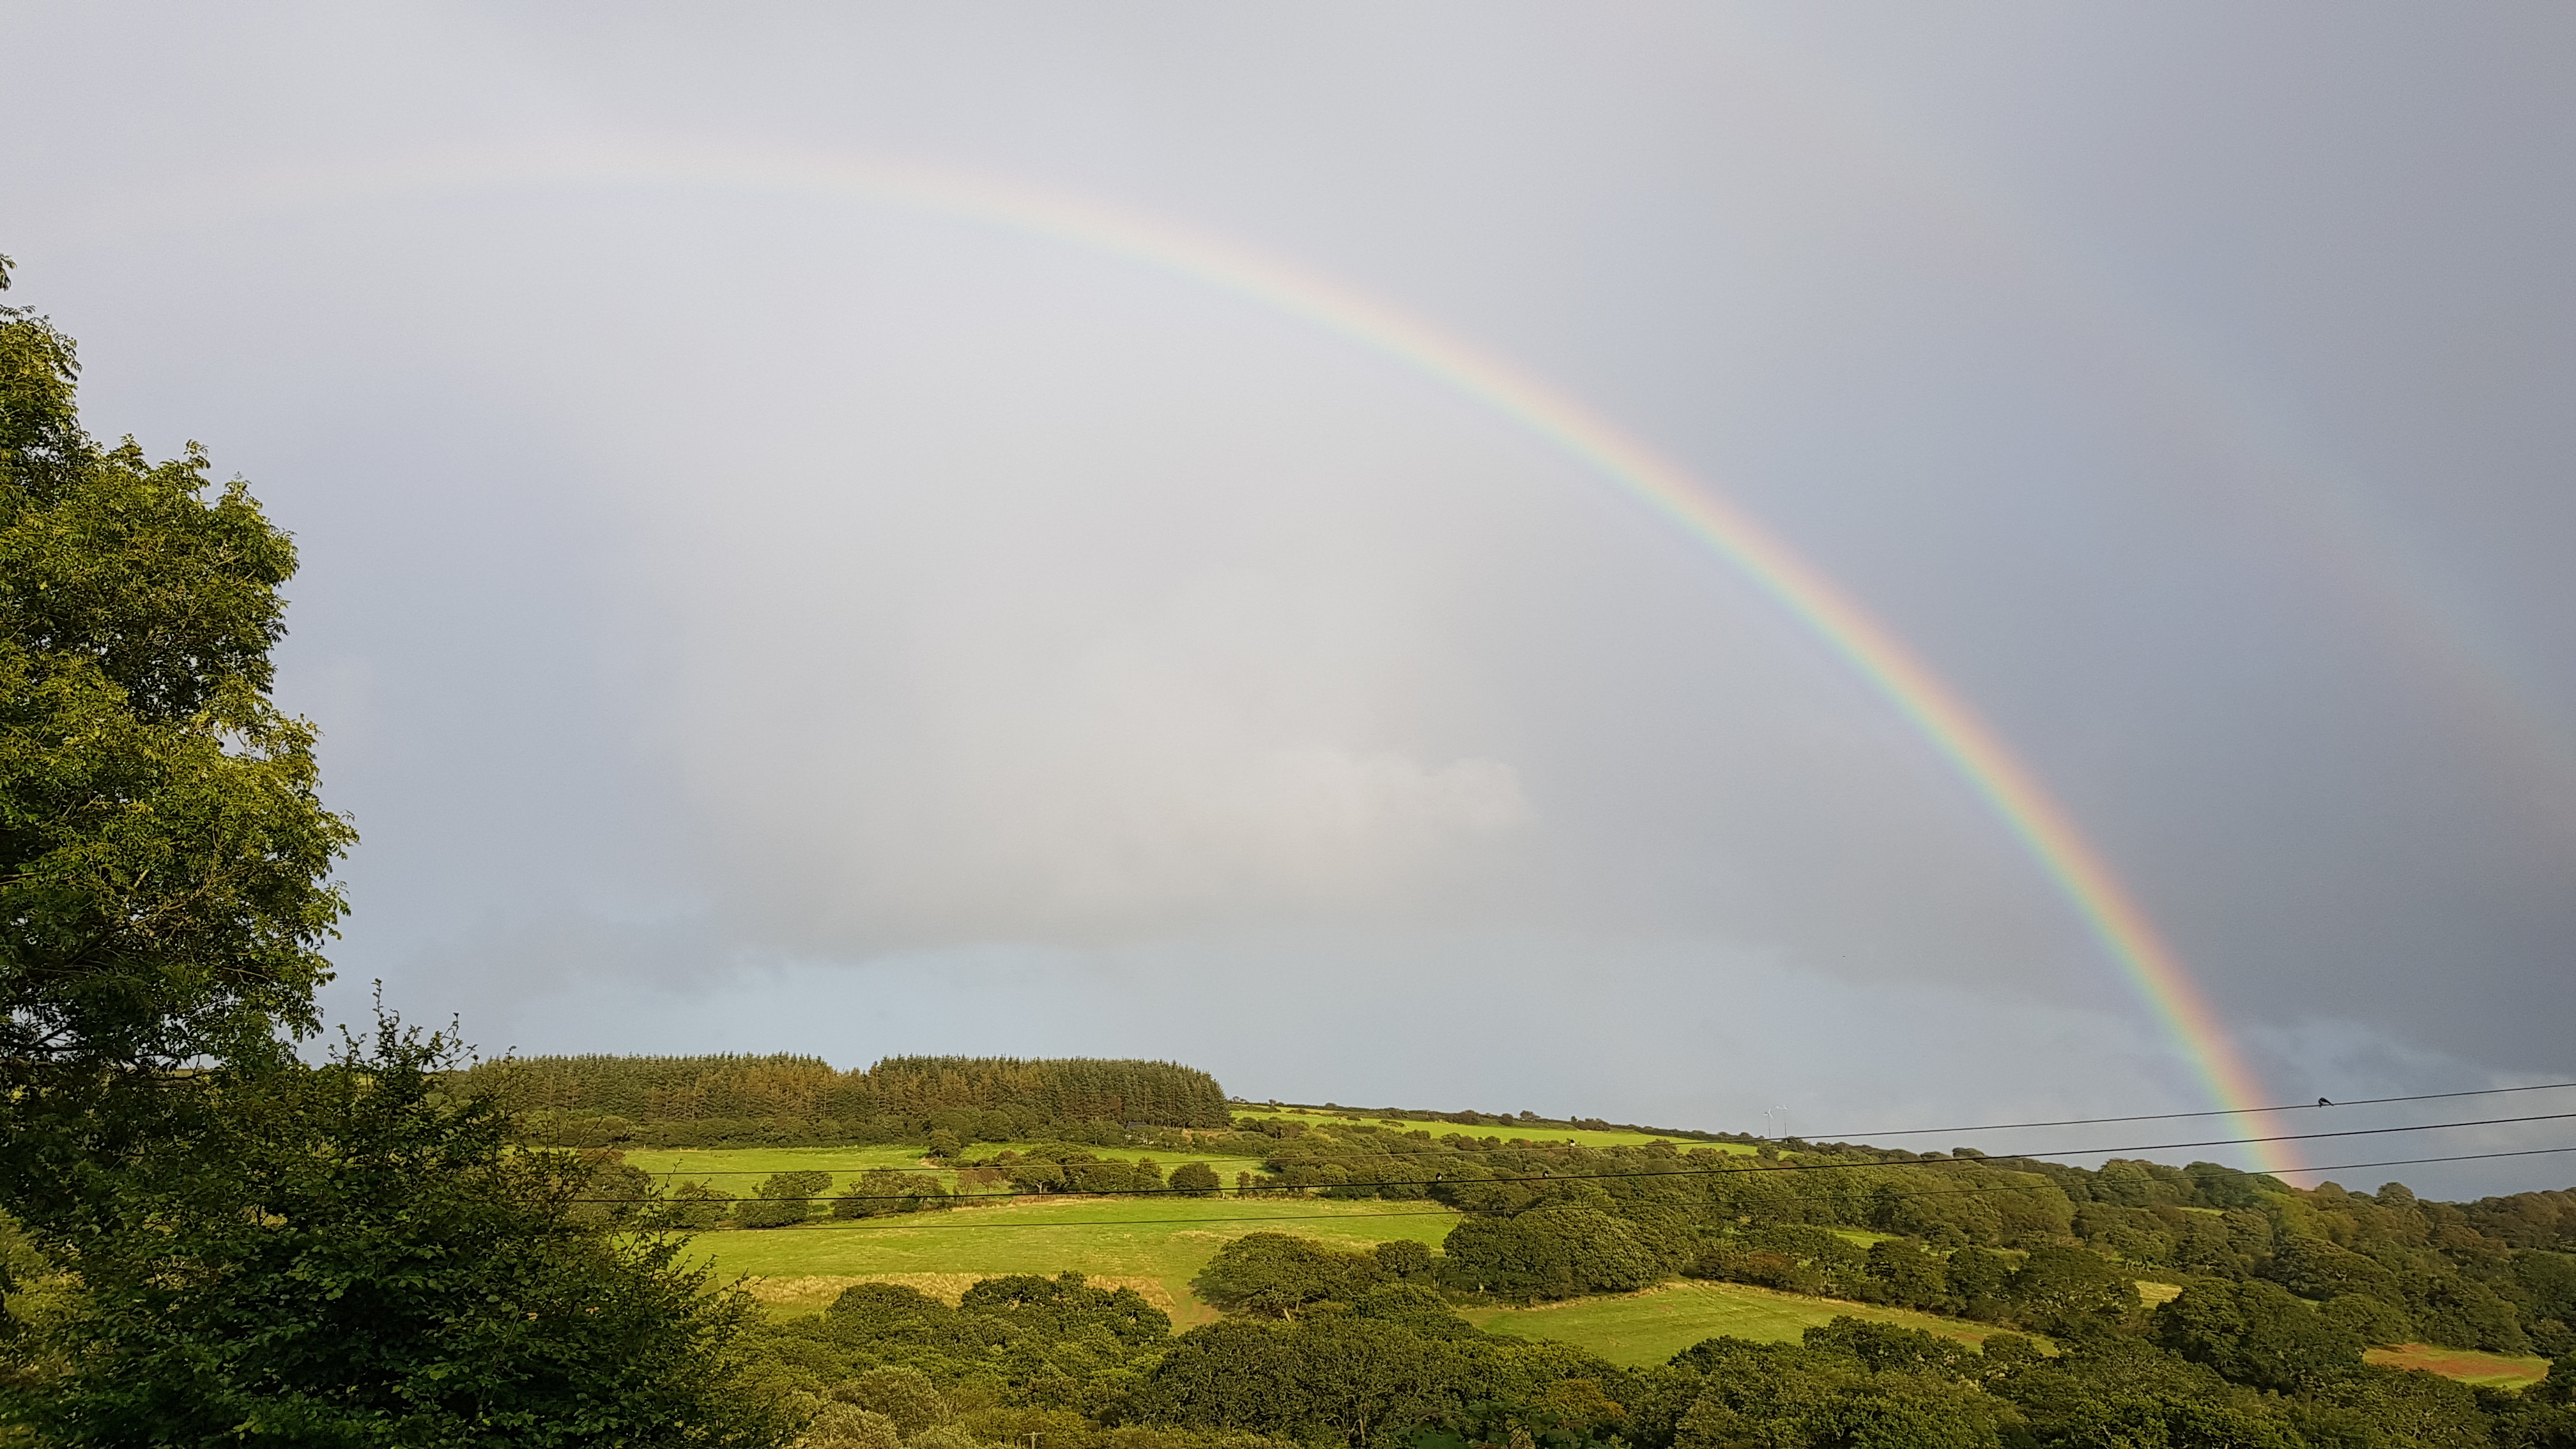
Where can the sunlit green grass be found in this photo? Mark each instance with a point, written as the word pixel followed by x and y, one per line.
pixel 1650 1327
pixel 1540 1135
pixel 739 1170
pixel 2469 1365
pixel 1161 1240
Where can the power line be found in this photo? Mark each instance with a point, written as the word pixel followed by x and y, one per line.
pixel 1756 1167
pixel 2175 1116
pixel 1445 1212
pixel 2059 1152
pixel 1858 1138
pixel 2301 1136
pixel 1134 1222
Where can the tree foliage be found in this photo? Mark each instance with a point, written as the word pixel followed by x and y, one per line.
pixel 221 1243
pixel 344 1255
pixel 164 853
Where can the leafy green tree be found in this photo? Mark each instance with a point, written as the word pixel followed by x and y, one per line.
pixel 2068 1291
pixel 1978 1278
pixel 2377 1406
pixel 1404 1261
pixel 2139 1420
pixel 2314 1268
pixel 2558 1386
pixel 1824 1394
pixel 832 1424
pixel 1195 1179
pixel 1276 1275
pixel 2257 1334
pixel 2368 1320
pixel 881 1191
pixel 905 1396
pixel 1792 1257
pixel 1336 1378
pixel 1907 1274
pixel 1549 1252
pixel 784 1199
pixel 164 855
pixel 693 1205
pixel 345 1256
pixel 2453 1308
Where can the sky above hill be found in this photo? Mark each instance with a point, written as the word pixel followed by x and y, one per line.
pixel 798 555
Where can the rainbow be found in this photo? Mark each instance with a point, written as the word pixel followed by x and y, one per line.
pixel 1971 747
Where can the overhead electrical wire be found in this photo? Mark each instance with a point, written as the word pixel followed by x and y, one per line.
pixel 2176 1116
pixel 1362 1118
pixel 1443 1212
pixel 1855 1138
pixel 1759 1167
pixel 2055 1152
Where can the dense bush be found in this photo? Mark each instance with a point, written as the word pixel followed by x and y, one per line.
pixel 1277 1275
pixel 882 1191
pixel 1554 1251
pixel 784 1198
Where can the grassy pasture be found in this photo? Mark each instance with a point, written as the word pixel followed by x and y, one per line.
pixel 2494 1370
pixel 739 1170
pixel 1135 1241
pixel 1318 1117
pixel 1652 1326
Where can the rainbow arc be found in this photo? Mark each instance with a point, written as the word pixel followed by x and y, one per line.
pixel 1927 703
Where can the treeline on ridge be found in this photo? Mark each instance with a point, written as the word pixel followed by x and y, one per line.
pixel 687 1101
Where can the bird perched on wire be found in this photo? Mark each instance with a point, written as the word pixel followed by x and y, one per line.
pixel 2322 1102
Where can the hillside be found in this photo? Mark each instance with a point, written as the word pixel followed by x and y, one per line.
pixel 1623 1283
pixel 1543 1210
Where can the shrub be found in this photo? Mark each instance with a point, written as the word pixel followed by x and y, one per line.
pixel 1549 1252
pixel 882 1191
pixel 785 1198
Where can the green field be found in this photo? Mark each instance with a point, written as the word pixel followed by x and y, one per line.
pixel 1582 1137
pixel 738 1170
pixel 2495 1370
pixel 1650 1327
pixel 1154 1245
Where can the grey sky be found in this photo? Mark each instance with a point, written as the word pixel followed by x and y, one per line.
pixel 752 618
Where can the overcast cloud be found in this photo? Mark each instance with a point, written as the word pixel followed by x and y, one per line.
pixel 750 618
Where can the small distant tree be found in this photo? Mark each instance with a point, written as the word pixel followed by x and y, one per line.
pixel 1276 1275
pixel 1196 1179
pixel 880 1191
pixel 693 1206
pixel 784 1198
pixel 1555 1251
